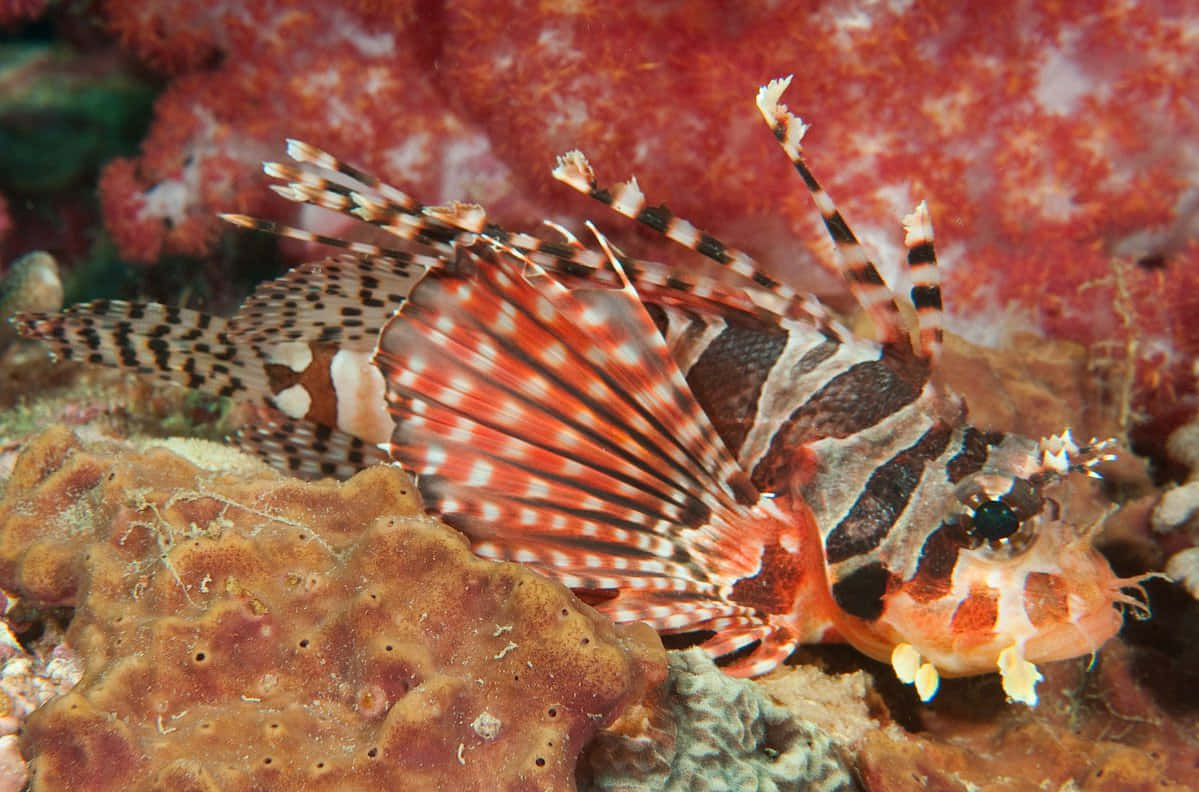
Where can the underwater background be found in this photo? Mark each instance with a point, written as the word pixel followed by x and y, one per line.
pixel 1056 146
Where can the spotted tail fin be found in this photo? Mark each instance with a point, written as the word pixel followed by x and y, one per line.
pixel 179 345
pixel 553 427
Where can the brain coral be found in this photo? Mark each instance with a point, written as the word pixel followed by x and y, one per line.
pixel 711 732
pixel 244 631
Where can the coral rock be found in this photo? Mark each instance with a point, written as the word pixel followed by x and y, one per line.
pixel 246 631
pixel 31 284
pixel 1028 757
pixel 712 732
pixel 28 679
pixel 838 704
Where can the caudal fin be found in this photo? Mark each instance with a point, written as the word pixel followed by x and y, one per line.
pixel 179 345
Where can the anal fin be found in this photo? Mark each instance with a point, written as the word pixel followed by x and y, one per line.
pixel 303 448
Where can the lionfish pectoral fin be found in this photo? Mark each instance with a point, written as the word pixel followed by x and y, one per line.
pixel 774 645
pixel 553 427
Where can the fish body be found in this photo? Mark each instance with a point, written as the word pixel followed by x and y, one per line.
pixel 719 459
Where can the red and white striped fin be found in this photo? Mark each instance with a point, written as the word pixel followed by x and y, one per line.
pixel 303 448
pixel 735 633
pixel 439 228
pixel 862 277
pixel 343 188
pixel 553 427
pixel 309 188
pixel 569 257
pixel 179 345
pixel 627 199
pixel 341 299
pixel 926 280
pixel 367 198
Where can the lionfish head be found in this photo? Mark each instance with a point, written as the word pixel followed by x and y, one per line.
pixel 1009 577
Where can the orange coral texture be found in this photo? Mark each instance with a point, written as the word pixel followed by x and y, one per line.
pixel 254 632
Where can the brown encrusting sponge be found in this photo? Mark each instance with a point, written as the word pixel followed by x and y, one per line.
pixel 246 631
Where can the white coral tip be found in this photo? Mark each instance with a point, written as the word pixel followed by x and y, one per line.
pixel 777 115
pixel 466 216
pixel 306 152
pixel 628 198
pixel 1058 463
pixel 288 191
pixel 298 149
pixel 769 95
pixel 245 221
pixel 1063 442
pixel 917 226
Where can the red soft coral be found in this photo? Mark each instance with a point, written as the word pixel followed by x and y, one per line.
pixel 1050 142
pixel 349 82
pixel 15 11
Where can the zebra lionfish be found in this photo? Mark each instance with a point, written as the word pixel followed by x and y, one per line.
pixel 719 459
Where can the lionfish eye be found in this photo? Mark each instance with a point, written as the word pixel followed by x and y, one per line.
pixel 999 511
pixel 995 520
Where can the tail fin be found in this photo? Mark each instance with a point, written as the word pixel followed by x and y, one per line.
pixel 179 345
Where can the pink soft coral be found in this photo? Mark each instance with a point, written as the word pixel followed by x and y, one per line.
pixel 348 79
pixel 1046 139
